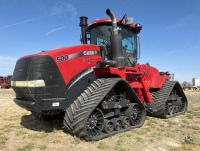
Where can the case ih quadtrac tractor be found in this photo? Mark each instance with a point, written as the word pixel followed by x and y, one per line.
pixel 97 85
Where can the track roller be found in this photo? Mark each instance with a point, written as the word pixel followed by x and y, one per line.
pixel 117 124
pixel 108 126
pixel 125 122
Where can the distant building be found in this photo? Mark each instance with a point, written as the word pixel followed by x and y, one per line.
pixel 196 82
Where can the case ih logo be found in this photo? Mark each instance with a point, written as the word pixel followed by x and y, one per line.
pixel 90 52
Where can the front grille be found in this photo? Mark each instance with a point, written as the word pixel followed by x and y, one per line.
pixel 38 68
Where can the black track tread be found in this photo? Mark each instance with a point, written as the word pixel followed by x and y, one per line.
pixel 160 97
pixel 85 104
pixel 88 100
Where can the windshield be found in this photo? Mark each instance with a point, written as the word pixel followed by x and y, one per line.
pixel 100 35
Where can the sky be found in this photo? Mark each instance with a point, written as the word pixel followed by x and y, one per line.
pixel 169 39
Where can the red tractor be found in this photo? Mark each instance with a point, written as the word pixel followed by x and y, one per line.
pixel 5 82
pixel 98 85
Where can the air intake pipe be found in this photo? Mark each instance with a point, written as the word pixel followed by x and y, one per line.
pixel 116 42
pixel 83 24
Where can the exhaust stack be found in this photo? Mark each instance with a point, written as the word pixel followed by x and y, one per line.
pixel 116 41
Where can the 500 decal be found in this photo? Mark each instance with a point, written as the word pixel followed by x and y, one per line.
pixel 61 58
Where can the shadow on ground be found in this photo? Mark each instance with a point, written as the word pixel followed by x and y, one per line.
pixel 47 125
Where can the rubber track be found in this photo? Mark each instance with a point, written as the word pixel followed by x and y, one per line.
pixel 160 97
pixel 78 112
pixel 83 106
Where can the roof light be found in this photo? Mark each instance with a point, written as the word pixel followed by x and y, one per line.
pixel 138 25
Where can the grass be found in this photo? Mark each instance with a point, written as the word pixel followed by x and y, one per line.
pixel 196 113
pixel 185 147
pixel 39 135
pixel 119 146
pixel 170 123
pixel 169 134
pixel 28 147
pixel 193 127
pixel 2 140
pixel 138 139
pixel 42 147
pixel 20 131
pixel 102 146
pixel 76 141
pixel 189 116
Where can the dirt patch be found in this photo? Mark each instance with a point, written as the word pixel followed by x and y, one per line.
pixel 20 131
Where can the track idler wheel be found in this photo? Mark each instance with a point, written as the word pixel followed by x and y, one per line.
pixel 108 126
pixel 95 123
pixel 135 114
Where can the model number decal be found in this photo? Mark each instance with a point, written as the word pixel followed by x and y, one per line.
pixel 61 58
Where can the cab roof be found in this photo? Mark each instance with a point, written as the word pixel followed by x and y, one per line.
pixel 107 21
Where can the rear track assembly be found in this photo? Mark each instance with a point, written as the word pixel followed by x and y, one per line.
pixel 170 100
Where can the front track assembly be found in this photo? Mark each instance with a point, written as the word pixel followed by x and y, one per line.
pixel 106 107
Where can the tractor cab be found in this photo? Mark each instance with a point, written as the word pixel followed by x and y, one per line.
pixel 100 32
